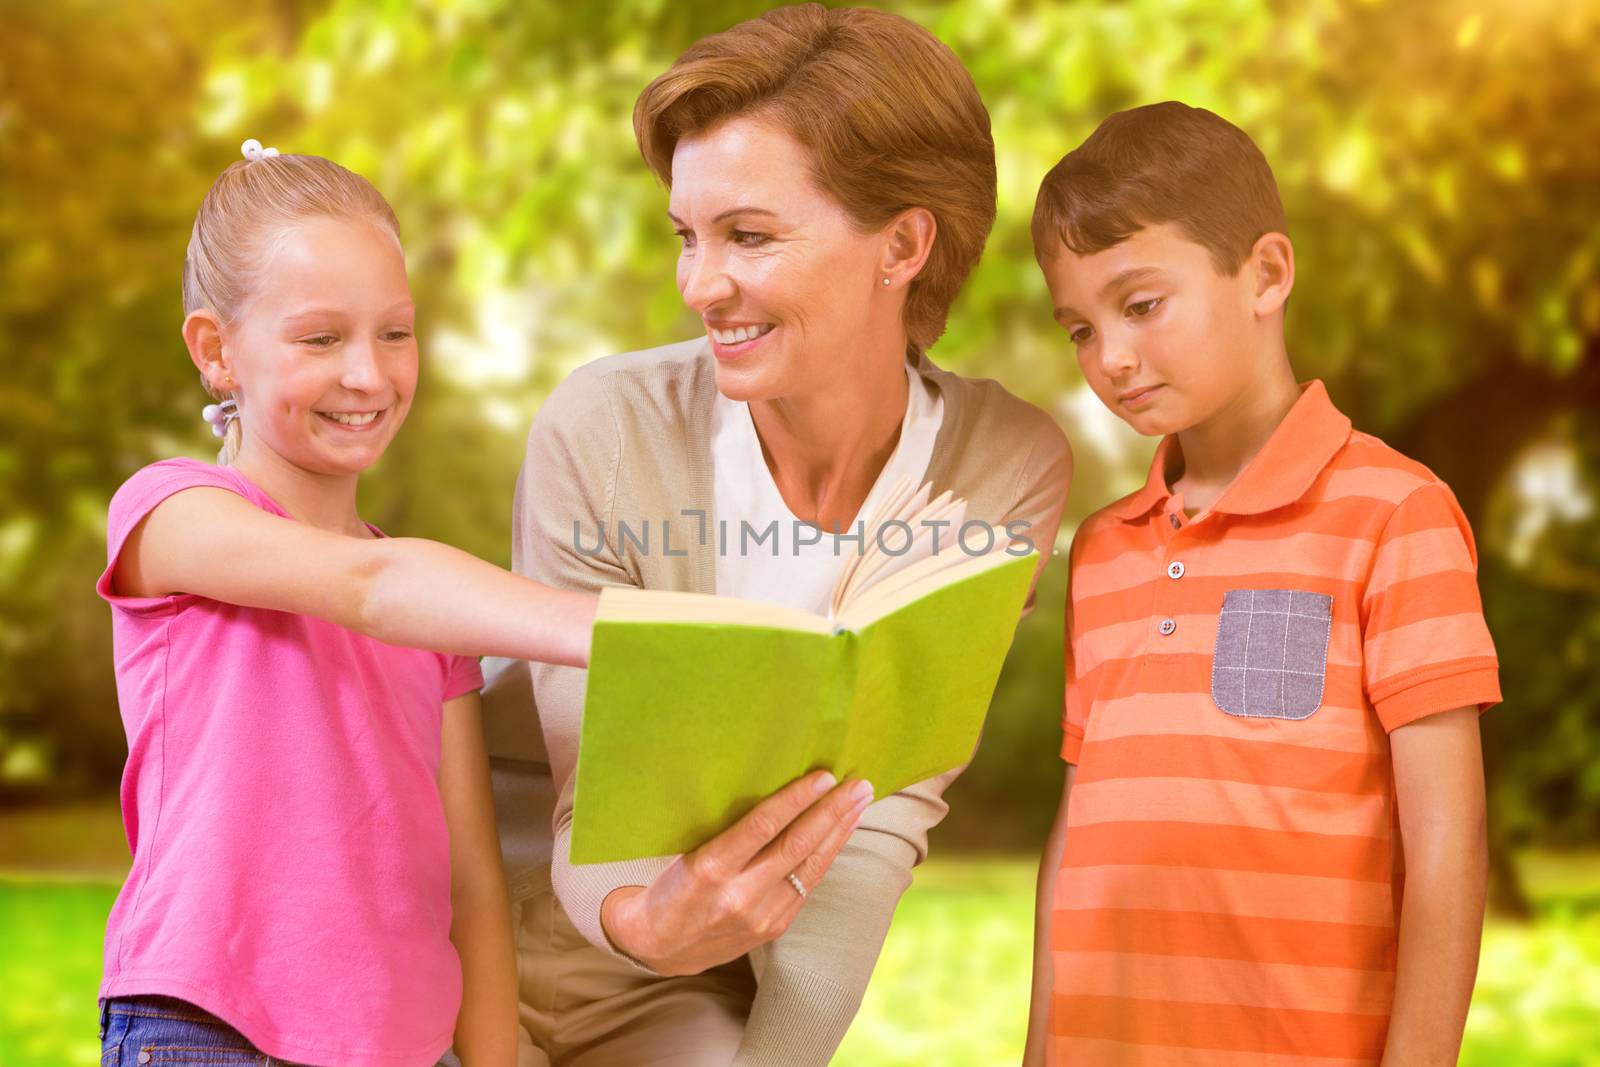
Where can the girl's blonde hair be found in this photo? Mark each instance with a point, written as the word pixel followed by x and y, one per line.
pixel 244 217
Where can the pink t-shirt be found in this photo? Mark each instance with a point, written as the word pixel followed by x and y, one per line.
pixel 291 864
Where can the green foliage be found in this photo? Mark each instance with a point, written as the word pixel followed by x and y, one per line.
pixel 1439 163
pixel 1543 615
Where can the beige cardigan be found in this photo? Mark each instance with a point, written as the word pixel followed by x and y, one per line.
pixel 628 438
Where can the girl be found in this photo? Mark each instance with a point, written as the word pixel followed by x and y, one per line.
pixel 316 876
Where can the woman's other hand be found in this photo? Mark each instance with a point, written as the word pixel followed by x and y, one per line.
pixel 733 893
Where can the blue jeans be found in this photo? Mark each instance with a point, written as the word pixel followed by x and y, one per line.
pixel 151 1030
pixel 136 1031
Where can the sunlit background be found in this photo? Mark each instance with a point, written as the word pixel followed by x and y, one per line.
pixel 1440 163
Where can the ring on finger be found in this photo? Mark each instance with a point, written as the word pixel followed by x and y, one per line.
pixel 799 886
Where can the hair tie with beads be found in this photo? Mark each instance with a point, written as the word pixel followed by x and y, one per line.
pixel 219 415
pixel 254 152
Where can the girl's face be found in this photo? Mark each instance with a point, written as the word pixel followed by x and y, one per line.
pixel 324 359
pixel 785 283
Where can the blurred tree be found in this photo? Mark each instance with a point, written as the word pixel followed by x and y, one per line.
pixel 1440 164
pixel 100 174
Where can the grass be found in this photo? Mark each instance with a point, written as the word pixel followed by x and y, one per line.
pixel 951 989
pixel 50 935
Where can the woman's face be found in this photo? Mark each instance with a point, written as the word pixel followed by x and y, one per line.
pixel 785 283
pixel 325 358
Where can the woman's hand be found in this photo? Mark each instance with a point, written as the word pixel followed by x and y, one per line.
pixel 733 893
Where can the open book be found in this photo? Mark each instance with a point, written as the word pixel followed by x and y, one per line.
pixel 699 706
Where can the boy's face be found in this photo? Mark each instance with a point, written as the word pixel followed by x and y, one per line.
pixel 1164 340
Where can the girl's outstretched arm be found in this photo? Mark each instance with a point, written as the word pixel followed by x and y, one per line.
pixel 480 926
pixel 405 591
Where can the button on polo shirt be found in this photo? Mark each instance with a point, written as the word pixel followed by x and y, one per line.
pixel 1229 887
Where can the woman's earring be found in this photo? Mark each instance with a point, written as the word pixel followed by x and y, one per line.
pixel 886 280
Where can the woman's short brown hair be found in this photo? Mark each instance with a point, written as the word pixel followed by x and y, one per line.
pixel 890 116
pixel 1166 162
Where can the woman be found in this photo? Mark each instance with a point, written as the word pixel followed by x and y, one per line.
pixel 832 180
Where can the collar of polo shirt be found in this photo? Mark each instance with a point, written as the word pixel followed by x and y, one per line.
pixel 1304 442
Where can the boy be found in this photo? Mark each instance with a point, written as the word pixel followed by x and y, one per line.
pixel 1276 660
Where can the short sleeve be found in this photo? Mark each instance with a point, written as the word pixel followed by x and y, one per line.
pixel 1425 645
pixel 138 497
pixel 1074 710
pixel 466 676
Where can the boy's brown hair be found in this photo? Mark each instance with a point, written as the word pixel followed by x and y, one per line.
pixel 1166 162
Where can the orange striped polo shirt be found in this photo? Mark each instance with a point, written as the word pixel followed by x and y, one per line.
pixel 1230 884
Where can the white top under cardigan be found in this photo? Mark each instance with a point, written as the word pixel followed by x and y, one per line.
pixel 765 553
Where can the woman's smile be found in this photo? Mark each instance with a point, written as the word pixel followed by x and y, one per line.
pixel 734 340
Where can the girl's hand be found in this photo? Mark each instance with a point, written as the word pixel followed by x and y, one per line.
pixel 733 893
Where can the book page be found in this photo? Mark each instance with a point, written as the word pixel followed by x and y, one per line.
pixel 904 495
pixel 946 509
pixel 917 581
pixel 627 604
pixel 918 512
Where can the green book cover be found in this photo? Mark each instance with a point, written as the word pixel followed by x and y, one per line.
pixel 687 725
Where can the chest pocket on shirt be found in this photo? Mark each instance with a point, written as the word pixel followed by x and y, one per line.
pixel 1271 658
